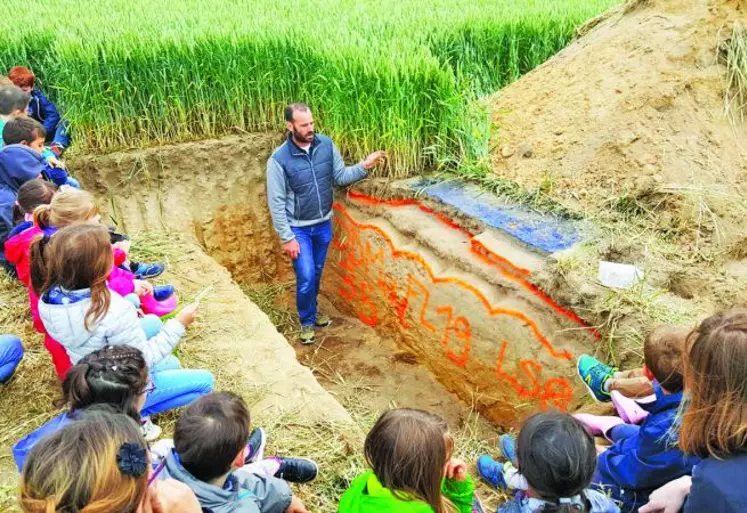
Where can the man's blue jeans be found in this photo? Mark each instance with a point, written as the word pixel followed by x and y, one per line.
pixel 314 241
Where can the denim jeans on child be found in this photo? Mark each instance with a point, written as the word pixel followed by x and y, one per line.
pixel 314 241
pixel 174 386
pixel 11 354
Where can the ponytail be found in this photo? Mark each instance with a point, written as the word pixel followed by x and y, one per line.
pixel 43 216
pixel 38 264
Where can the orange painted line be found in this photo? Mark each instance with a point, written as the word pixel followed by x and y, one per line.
pixel 492 310
pixel 507 268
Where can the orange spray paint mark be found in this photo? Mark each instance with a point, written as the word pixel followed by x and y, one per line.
pixel 507 269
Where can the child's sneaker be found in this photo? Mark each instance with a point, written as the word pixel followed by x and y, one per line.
pixel 307 335
pixel 161 292
pixel 508 447
pixel 491 472
pixel 594 375
pixel 151 432
pixel 297 470
pixel 256 445
pixel 322 321
pixel 143 271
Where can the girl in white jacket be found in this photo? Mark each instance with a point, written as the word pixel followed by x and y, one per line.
pixel 78 309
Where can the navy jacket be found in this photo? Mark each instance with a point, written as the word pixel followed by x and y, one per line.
pixel 719 486
pixel 44 111
pixel 300 183
pixel 633 467
pixel 18 165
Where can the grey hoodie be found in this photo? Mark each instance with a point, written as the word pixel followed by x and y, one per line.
pixel 250 493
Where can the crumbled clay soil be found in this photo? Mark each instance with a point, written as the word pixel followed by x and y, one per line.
pixel 627 126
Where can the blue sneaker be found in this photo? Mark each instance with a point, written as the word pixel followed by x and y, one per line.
pixel 256 446
pixel 595 374
pixel 491 472
pixel 161 292
pixel 508 448
pixel 144 271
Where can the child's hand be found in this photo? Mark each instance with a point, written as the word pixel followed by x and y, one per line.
pixel 56 163
pixel 169 496
pixel 142 287
pixel 123 245
pixel 188 315
pixel 296 506
pixel 456 470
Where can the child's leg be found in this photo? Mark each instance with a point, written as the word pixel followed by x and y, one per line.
pixel 175 388
pixel 267 467
pixel 11 354
pixel 514 479
pixel 170 362
pixel 622 431
pixel 629 410
pixel 151 325
pixel 633 387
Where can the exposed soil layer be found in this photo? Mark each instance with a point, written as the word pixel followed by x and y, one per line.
pixel 628 127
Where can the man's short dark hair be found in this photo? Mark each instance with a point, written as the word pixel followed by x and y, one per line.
pixel 210 433
pixel 23 129
pixel 663 352
pixel 294 107
pixel 13 98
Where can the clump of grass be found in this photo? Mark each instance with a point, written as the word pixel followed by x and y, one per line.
pixel 734 56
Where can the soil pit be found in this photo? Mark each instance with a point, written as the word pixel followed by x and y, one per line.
pixel 430 314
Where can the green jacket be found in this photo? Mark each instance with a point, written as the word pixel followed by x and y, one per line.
pixel 367 495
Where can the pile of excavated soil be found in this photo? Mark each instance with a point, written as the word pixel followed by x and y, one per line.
pixel 628 127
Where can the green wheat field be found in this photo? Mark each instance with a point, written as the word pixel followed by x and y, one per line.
pixel 388 73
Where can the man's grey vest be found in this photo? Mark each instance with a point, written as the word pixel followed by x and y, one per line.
pixel 309 175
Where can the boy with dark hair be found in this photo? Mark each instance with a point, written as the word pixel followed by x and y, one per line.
pixel 42 109
pixel 210 449
pixel 641 458
pixel 23 134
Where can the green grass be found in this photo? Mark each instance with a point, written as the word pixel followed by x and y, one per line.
pixel 397 74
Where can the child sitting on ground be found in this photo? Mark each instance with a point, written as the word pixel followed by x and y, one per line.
pixel 210 447
pixel 557 458
pixel 42 109
pixel 410 453
pixel 641 457
pixel 69 275
pixel 106 474
pixel 118 376
pixel 24 146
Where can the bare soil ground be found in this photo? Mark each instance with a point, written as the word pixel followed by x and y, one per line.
pixel 628 127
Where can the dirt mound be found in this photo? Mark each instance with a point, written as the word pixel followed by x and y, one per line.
pixel 631 118
pixel 628 126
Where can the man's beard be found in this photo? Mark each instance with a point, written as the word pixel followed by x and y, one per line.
pixel 299 137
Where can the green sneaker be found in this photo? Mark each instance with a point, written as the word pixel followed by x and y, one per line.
pixel 595 374
pixel 322 321
pixel 307 335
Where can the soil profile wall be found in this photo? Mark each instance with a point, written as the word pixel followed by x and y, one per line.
pixel 458 305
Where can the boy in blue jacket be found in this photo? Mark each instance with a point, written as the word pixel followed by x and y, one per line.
pixel 42 109
pixel 641 458
pixel 20 161
pixel 23 138
pixel 644 457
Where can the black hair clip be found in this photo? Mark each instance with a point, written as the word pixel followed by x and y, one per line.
pixel 132 460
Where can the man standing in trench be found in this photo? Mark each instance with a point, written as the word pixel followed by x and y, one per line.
pixel 301 174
